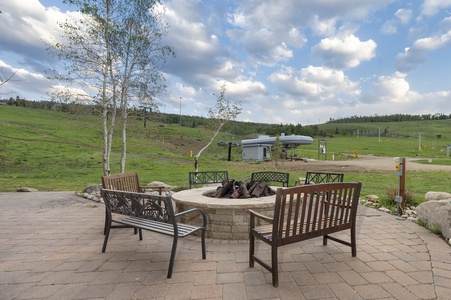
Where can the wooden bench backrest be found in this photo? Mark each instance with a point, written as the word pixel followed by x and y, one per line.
pixel 269 177
pixel 323 177
pixel 196 178
pixel 313 210
pixel 148 206
pixel 122 182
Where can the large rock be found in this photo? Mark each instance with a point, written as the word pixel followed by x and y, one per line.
pixel 437 196
pixel 436 214
pixel 158 185
pixel 92 189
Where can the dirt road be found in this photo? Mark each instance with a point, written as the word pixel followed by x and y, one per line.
pixel 363 163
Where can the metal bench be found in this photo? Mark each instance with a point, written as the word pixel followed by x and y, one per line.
pixel 302 213
pixel 128 182
pixel 271 177
pixel 153 213
pixel 202 178
pixel 323 177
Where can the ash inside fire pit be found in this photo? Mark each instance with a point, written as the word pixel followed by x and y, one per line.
pixel 239 189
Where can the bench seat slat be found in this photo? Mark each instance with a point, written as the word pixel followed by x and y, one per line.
pixel 165 228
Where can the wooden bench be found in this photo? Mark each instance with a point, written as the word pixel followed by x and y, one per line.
pixel 323 177
pixel 302 213
pixel 271 177
pixel 196 178
pixel 153 213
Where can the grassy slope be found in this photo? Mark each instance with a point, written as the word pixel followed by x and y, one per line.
pixel 51 150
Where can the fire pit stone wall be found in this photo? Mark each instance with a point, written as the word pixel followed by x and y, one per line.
pixel 227 218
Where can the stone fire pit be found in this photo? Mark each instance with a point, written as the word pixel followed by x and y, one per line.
pixel 227 217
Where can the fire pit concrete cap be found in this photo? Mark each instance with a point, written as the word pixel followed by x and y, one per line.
pixel 198 196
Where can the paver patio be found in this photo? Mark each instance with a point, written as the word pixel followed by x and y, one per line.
pixel 50 248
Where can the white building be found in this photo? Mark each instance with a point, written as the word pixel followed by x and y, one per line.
pixel 260 148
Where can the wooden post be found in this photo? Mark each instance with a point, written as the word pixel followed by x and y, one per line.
pixel 402 186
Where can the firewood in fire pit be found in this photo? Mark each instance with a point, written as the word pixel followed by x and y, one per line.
pixel 241 191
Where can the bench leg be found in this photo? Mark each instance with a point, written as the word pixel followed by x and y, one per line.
pixel 353 243
pixel 274 265
pixel 135 231
pixel 106 221
pixel 107 234
pixel 251 249
pixel 171 261
pixel 204 250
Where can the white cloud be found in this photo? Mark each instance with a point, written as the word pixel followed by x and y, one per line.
pixel 432 7
pixel 323 27
pixel 345 52
pixel 389 27
pixel 314 84
pixel 393 88
pixel 418 52
pixel 404 15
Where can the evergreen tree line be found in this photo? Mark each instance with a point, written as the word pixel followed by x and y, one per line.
pixel 390 118
pixel 234 127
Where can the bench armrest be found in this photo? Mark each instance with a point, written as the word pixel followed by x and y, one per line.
pixel 254 214
pixel 192 210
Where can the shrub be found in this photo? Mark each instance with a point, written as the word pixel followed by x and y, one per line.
pixel 390 195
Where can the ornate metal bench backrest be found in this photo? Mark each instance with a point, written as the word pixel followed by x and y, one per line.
pixel 154 207
pixel 323 177
pixel 196 178
pixel 280 177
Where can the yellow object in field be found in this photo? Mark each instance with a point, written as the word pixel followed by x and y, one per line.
pixel 354 153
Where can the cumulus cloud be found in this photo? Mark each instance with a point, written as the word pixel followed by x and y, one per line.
pixel 418 52
pixel 432 7
pixel 393 88
pixel 404 15
pixel 314 83
pixel 27 30
pixel 389 27
pixel 345 52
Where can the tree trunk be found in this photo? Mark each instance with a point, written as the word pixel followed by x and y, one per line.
pixel 196 158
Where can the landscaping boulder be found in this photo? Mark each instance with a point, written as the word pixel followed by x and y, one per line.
pixel 437 196
pixel 92 192
pixel 372 198
pixel 155 185
pixel 436 214
pixel 92 189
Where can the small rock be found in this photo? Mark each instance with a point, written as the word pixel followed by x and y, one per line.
pixel 27 189
pixel 372 198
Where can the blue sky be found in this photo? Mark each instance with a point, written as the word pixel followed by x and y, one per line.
pixel 291 61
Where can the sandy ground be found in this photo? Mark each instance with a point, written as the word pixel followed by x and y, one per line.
pixel 362 163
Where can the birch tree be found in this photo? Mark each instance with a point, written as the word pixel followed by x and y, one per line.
pixel 6 76
pixel 112 55
pixel 224 111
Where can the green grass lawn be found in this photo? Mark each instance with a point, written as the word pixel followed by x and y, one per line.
pixel 56 151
